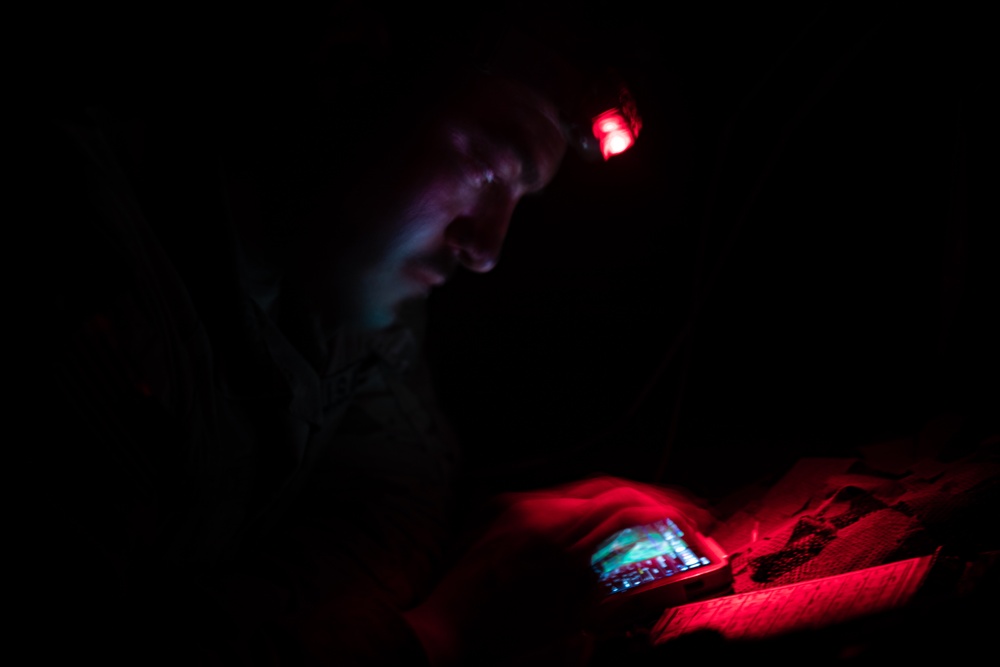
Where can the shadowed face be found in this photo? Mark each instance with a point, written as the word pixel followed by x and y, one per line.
pixel 445 201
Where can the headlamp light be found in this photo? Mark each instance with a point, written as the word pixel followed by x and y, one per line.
pixel 608 122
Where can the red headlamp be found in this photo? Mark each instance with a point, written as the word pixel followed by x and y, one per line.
pixel 599 114
pixel 614 120
pixel 614 132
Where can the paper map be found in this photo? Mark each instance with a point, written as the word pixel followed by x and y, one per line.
pixel 799 606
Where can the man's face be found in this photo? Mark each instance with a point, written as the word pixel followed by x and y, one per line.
pixel 445 202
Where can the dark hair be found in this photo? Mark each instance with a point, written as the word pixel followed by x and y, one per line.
pixel 325 94
pixel 356 81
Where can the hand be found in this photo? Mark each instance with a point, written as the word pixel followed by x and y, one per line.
pixel 526 585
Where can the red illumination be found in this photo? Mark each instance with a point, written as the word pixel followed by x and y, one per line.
pixel 614 133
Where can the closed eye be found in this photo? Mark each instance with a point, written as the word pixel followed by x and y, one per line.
pixel 481 174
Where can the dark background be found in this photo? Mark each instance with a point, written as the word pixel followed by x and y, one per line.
pixel 796 259
pixel 793 260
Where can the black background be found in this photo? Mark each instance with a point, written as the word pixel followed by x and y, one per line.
pixel 795 258
pixel 806 199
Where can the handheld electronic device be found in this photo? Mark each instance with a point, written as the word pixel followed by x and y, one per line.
pixel 645 569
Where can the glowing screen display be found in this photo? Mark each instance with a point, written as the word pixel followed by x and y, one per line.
pixel 643 554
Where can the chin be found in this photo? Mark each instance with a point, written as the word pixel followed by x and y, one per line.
pixel 370 323
pixel 387 318
pixel 377 314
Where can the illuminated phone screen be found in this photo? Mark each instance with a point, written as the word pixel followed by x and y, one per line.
pixel 643 554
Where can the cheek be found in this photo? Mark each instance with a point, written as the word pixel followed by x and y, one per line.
pixel 432 208
pixel 413 208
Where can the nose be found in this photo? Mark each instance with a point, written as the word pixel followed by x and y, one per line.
pixel 476 240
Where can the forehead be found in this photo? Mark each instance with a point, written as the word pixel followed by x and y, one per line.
pixel 505 116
